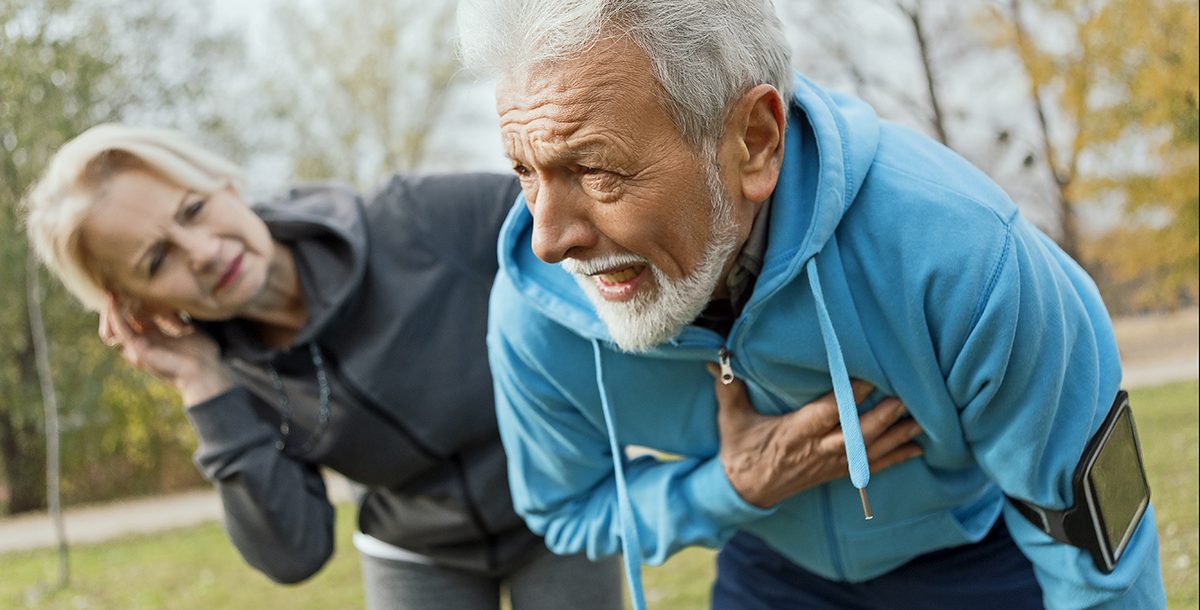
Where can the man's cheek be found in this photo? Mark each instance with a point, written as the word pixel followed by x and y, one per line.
pixel 529 189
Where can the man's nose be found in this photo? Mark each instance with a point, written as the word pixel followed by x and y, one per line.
pixel 202 248
pixel 562 226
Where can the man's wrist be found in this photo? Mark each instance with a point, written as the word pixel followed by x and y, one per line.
pixel 741 473
pixel 715 496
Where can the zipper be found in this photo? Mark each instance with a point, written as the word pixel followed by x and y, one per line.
pixel 725 359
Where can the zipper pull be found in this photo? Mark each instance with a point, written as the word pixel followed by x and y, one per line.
pixel 723 357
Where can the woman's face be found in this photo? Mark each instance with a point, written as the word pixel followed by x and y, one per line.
pixel 171 249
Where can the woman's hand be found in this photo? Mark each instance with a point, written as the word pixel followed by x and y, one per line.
pixel 167 348
pixel 769 458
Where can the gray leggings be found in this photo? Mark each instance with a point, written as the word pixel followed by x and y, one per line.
pixel 547 582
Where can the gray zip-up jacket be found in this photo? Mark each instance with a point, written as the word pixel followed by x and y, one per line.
pixel 397 292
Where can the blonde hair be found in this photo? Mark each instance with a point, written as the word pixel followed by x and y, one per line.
pixel 57 204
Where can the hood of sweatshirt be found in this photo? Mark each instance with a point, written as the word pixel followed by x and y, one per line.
pixel 841 131
pixel 324 226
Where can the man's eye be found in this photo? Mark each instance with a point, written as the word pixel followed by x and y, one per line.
pixel 521 170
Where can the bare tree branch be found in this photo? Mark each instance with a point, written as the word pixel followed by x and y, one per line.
pixel 1063 177
pixel 41 350
pixel 914 15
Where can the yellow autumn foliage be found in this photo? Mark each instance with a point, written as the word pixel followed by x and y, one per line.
pixel 1116 85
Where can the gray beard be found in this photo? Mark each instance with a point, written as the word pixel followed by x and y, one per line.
pixel 647 320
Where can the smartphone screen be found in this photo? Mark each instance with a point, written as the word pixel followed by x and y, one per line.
pixel 1117 484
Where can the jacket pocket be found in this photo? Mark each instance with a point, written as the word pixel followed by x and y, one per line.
pixel 872 551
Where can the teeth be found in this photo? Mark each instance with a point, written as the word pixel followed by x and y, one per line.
pixel 619 277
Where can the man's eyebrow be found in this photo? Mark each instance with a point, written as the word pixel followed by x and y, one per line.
pixel 564 152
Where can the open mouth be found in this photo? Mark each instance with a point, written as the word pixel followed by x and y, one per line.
pixel 232 273
pixel 620 276
pixel 620 284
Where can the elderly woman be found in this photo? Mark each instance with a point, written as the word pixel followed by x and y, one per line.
pixel 319 329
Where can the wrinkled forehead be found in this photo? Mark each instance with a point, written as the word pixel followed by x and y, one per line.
pixel 127 210
pixel 605 102
pixel 138 191
pixel 609 72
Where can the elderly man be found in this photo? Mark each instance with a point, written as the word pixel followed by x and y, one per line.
pixel 687 199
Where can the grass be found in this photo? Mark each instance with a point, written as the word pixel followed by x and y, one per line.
pixel 194 567
pixel 1166 418
pixel 198 568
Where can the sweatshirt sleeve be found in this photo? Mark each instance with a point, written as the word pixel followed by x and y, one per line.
pixel 1035 377
pixel 561 469
pixel 276 510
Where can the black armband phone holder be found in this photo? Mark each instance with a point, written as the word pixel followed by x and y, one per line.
pixel 1110 489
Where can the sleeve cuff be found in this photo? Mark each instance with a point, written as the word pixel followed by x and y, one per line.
pixel 225 422
pixel 715 495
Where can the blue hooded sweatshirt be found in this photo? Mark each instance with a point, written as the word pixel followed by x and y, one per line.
pixel 889 259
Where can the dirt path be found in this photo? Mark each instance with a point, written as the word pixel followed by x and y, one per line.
pixel 1159 349
pixel 89 524
pixel 1154 351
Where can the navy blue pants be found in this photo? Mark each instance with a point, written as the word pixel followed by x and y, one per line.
pixel 991 573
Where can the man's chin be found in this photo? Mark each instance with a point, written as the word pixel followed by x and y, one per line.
pixel 657 312
pixel 640 327
pixel 638 337
pixel 631 322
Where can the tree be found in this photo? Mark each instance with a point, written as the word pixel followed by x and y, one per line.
pixel 1152 256
pixel 365 85
pixel 927 65
pixel 50 402
pixel 1071 75
pixel 915 12
pixel 54 84
pixel 1107 77
pixel 64 66
pixel 1083 110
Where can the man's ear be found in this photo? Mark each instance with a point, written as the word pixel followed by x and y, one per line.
pixel 756 128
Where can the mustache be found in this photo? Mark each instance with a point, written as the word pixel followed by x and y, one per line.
pixel 602 264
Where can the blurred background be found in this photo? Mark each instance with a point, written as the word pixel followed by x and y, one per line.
pixel 1084 110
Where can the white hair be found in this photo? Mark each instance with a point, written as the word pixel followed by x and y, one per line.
pixel 703 53
pixel 57 205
